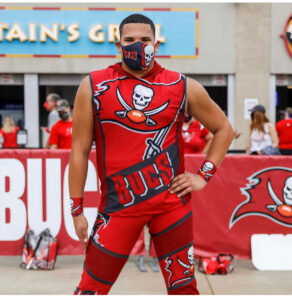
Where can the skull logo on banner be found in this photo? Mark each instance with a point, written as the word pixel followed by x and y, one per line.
pixel 287 191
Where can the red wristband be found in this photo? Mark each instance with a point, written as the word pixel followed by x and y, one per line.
pixel 76 206
pixel 207 170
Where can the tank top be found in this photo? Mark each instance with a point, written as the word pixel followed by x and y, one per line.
pixel 139 147
pixel 259 139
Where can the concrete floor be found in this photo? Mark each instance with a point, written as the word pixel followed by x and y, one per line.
pixel 244 280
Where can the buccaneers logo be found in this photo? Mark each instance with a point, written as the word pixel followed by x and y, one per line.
pixel 180 266
pixel 287 35
pixel 100 222
pixel 268 194
pixel 141 98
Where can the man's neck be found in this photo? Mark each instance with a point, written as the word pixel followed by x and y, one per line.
pixel 137 74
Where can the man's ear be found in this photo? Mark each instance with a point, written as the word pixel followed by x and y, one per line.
pixel 156 46
pixel 118 45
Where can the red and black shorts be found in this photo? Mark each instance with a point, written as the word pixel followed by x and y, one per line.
pixel 113 237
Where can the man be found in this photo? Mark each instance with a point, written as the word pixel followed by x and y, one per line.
pixel 284 130
pixel 135 111
pixel 61 133
pixel 50 106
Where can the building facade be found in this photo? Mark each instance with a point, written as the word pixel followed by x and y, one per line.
pixel 241 53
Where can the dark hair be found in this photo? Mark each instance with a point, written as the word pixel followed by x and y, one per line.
pixel 137 18
pixel 54 97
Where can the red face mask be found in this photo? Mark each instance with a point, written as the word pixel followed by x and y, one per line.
pixel 46 105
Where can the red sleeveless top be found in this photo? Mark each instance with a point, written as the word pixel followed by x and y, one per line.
pixel 139 146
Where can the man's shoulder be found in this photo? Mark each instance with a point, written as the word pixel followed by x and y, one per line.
pixel 281 123
pixel 168 76
pixel 106 72
pixel 57 125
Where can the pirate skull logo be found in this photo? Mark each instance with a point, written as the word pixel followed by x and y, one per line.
pixel 287 191
pixel 142 96
pixel 190 267
pixel 207 167
pixel 149 54
pixel 283 208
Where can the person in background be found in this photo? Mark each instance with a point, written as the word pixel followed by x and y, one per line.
pixel 197 138
pixel 53 117
pixel 8 133
pixel 263 137
pixel 61 133
pixel 284 130
pixel 50 105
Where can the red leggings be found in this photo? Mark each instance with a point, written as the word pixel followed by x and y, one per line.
pixel 113 238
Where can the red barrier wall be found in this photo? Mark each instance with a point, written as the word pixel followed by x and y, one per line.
pixel 248 195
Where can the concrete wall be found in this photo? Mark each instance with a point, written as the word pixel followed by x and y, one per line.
pixel 240 39
pixel 252 61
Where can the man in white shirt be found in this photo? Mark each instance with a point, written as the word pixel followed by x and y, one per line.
pixel 50 106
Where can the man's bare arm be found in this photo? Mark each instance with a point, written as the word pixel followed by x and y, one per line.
pixel 207 112
pixel 82 135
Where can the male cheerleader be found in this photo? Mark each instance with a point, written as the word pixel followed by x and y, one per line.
pixel 134 110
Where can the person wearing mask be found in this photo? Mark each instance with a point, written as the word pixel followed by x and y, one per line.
pixel 61 133
pixel 263 137
pixel 50 106
pixel 197 138
pixel 134 112
pixel 284 130
pixel 8 133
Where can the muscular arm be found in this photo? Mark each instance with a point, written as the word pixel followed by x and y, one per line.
pixel 207 112
pixel 208 139
pixel 82 134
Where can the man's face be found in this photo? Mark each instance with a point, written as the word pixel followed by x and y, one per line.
pixel 137 32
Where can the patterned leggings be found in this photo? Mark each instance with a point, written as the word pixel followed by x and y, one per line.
pixel 113 238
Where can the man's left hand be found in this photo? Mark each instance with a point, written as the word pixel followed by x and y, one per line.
pixel 185 183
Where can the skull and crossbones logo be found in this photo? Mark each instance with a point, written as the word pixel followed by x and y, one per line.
pixel 190 267
pixel 141 98
pixel 207 167
pixel 284 209
pixel 149 54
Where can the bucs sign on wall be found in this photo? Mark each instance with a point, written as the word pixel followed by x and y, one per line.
pixel 34 194
pixel 248 195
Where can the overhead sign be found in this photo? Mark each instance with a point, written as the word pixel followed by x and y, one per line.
pixel 90 32
pixel 287 35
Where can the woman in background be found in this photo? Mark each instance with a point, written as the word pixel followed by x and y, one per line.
pixel 8 133
pixel 263 137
